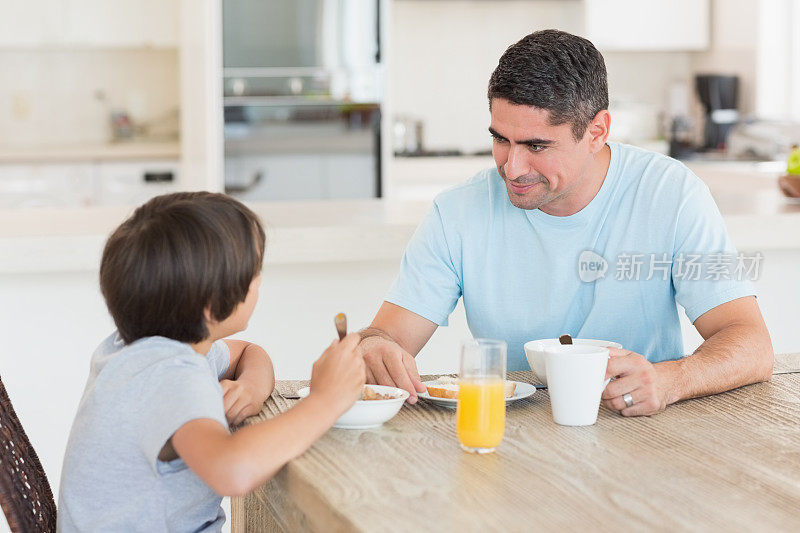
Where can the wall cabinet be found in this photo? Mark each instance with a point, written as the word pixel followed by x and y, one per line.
pixel 100 23
pixel 31 23
pixel 653 25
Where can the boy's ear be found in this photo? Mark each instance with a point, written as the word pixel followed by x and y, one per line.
pixel 207 315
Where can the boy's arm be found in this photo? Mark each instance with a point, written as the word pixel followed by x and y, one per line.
pixel 248 382
pixel 236 464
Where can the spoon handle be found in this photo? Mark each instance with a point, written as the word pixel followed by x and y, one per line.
pixel 341 325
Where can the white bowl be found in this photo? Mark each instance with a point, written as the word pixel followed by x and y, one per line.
pixel 534 351
pixel 368 414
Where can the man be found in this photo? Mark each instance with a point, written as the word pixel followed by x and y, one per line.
pixel 553 240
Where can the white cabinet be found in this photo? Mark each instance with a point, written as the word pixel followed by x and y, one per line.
pixel 85 183
pixel 291 177
pixel 123 23
pixel 134 182
pixel 45 185
pixel 100 23
pixel 350 176
pixel 657 25
pixel 301 177
pixel 31 22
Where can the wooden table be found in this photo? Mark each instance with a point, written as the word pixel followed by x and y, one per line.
pixel 730 461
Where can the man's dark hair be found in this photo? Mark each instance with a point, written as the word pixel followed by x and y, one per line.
pixel 177 255
pixel 557 71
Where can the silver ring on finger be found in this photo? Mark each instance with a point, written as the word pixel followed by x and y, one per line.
pixel 628 399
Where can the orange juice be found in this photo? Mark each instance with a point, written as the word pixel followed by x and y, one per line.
pixel 481 412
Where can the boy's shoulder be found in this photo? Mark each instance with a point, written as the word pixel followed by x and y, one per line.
pixel 114 357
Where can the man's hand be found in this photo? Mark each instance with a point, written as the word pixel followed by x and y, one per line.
pixel 241 399
pixel 633 374
pixel 388 364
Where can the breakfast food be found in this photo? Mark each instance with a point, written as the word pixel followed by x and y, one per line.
pixel 447 387
pixel 371 394
pixel 444 387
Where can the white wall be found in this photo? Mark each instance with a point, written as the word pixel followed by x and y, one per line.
pixel 778 57
pixel 202 137
pixel 442 54
pixel 49 96
pixel 734 41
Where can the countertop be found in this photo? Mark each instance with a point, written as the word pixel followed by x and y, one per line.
pixel 758 217
pixel 87 153
pixel 71 240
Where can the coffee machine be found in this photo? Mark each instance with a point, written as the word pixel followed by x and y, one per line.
pixel 719 95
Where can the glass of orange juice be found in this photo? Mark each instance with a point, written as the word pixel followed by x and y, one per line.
pixel 481 407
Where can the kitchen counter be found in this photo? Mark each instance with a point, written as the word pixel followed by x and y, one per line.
pixel 51 239
pixel 71 240
pixel 79 153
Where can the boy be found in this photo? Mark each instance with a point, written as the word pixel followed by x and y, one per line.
pixel 150 448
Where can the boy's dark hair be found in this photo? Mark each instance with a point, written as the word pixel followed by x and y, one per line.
pixel 557 71
pixel 177 255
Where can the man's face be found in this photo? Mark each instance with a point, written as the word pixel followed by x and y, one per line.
pixel 541 164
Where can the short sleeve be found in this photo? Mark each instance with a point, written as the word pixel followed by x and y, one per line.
pixel 707 269
pixel 219 357
pixel 429 282
pixel 178 391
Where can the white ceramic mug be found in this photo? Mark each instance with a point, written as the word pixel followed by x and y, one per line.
pixel 576 377
pixel 534 351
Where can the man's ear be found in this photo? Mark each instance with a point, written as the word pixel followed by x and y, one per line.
pixel 598 130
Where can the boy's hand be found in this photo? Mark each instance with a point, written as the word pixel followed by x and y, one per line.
pixel 338 375
pixel 241 399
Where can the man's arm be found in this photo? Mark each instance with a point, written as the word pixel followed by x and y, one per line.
pixel 737 351
pixel 390 344
pixel 248 382
pixel 408 329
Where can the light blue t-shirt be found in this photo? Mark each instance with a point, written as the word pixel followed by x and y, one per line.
pixel 136 397
pixel 650 237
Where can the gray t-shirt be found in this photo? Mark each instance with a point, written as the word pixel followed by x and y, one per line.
pixel 136 397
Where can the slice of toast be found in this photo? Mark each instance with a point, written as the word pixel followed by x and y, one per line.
pixel 447 387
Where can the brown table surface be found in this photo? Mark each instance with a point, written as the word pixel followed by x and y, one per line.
pixel 729 461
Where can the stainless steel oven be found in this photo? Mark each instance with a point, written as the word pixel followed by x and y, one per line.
pixel 303 89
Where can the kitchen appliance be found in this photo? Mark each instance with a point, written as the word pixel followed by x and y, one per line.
pixel 303 85
pixel 680 127
pixel 719 96
pixel 768 140
pixel 407 136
